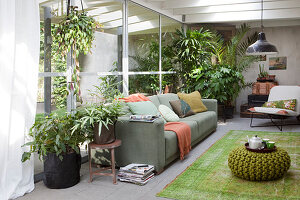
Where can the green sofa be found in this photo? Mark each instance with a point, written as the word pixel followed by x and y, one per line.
pixel 148 142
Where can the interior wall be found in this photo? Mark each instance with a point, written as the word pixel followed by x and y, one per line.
pixel 287 41
pixel 104 55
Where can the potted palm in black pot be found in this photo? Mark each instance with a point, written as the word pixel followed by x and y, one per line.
pixel 58 146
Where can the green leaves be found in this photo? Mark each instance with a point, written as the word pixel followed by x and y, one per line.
pixel 56 134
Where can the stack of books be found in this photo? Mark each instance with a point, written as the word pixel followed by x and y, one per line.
pixel 138 174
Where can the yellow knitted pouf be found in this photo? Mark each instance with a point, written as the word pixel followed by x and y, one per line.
pixel 258 166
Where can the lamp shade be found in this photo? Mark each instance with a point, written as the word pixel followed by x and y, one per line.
pixel 261 46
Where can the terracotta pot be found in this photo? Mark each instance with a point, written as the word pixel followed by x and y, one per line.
pixel 107 135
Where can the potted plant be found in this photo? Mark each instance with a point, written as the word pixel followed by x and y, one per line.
pixel 263 75
pixel 100 118
pixel 58 146
pixel 75 34
pixel 223 83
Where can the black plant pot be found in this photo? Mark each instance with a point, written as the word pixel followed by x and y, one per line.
pixel 107 135
pixel 62 173
pixel 229 110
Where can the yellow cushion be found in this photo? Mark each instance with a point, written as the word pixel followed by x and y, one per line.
pixel 194 100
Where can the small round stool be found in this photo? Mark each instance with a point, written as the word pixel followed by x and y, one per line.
pixel 111 147
pixel 258 166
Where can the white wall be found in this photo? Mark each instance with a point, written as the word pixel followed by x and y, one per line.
pixel 104 54
pixel 287 41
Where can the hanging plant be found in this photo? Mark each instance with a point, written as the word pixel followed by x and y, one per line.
pixel 75 33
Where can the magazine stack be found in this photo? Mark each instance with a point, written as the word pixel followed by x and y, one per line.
pixel 138 174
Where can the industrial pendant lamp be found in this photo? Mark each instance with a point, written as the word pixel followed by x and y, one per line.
pixel 261 46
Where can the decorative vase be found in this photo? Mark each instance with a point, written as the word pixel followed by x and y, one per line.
pixel 63 173
pixel 107 135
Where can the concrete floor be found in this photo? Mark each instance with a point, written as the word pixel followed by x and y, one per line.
pixel 102 187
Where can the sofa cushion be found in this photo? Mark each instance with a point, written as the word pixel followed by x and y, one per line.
pixel 154 100
pixel 165 98
pixel 181 108
pixel 206 121
pixel 171 144
pixel 143 108
pixel 168 114
pixel 194 129
pixel 194 100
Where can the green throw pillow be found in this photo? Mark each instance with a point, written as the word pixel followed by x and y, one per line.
pixel 284 104
pixel 143 108
pixel 181 108
pixel 168 114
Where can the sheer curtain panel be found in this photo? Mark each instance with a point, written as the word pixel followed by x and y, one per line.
pixel 19 62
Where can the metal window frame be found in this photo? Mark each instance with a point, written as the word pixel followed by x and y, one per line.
pixel 125 65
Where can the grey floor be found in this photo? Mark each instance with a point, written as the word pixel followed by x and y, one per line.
pixel 102 187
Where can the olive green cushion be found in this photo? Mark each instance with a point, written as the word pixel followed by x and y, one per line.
pixel 143 108
pixel 194 100
pixel 258 166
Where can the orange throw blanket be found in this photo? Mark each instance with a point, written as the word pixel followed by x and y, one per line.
pixel 135 98
pixel 183 132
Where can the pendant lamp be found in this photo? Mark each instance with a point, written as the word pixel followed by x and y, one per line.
pixel 261 46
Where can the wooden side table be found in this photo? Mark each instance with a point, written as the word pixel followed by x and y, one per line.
pixel 111 147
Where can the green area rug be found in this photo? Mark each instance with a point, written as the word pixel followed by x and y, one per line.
pixel 209 177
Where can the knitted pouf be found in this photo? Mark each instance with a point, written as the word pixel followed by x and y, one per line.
pixel 258 166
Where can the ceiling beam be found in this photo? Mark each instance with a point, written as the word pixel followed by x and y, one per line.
pixel 293 13
pixel 238 7
pixel 170 4
pixel 104 9
pixel 158 9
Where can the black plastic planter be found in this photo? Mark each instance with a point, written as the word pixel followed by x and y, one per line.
pixel 62 174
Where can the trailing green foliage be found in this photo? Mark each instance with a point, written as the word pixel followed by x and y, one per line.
pixel 75 34
pixel 54 134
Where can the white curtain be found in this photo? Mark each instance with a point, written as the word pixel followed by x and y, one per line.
pixel 19 62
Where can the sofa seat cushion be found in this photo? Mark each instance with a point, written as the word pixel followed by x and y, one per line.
pixel 194 129
pixel 275 111
pixel 165 98
pixel 171 144
pixel 206 121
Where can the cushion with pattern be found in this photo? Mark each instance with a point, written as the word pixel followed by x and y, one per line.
pixel 181 108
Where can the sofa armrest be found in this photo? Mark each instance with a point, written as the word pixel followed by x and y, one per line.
pixel 142 142
pixel 211 104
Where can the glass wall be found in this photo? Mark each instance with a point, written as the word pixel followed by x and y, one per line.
pixel 107 52
pixel 168 35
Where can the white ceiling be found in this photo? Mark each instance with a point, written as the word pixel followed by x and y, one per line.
pixel 276 12
pixel 109 12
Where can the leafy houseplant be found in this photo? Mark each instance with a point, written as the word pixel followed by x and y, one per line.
pixel 57 145
pixel 100 118
pixel 75 34
pixel 192 49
